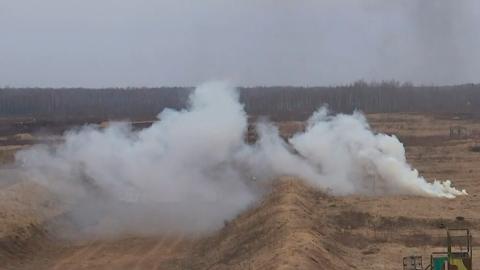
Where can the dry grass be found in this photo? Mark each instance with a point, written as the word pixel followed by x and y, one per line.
pixel 296 226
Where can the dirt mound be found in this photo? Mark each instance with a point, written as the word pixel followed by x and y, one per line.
pixel 294 227
pixel 283 231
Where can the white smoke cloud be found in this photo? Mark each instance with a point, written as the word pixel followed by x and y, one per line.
pixel 355 160
pixel 191 170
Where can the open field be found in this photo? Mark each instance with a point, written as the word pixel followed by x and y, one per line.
pixel 293 227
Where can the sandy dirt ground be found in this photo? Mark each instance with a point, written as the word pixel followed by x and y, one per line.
pixel 294 227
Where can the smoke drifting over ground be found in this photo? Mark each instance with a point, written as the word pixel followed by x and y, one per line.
pixel 191 170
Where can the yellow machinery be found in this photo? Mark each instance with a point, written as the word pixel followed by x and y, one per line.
pixel 458 255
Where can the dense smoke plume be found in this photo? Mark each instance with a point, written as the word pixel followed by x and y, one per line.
pixel 191 170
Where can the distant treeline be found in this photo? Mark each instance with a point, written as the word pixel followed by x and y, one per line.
pixel 279 103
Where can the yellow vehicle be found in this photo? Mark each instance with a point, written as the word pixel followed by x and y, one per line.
pixel 458 255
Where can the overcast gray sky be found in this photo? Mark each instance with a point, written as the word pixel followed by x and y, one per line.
pixel 98 43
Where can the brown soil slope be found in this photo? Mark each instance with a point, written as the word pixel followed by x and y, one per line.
pixel 295 227
pixel 285 231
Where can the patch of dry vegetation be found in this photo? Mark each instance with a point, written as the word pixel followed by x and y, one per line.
pixel 294 227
